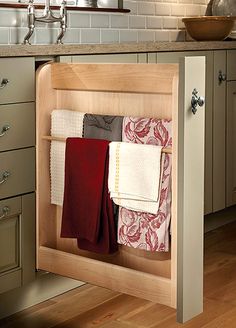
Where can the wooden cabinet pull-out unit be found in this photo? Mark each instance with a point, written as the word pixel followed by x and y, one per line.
pixel 146 90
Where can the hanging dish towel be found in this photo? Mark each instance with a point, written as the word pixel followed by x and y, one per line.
pixel 134 175
pixel 64 123
pixel 87 207
pixel 139 229
pixel 103 127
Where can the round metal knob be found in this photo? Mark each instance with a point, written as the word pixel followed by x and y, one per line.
pixel 196 101
pixel 5 176
pixel 5 128
pixel 221 77
pixel 5 212
pixel 4 83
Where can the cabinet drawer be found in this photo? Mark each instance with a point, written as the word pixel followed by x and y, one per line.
pixel 17 126
pixel 17 172
pixel 19 72
pixel 231 65
pixel 10 234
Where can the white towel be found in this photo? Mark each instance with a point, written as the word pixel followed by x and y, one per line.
pixel 134 176
pixel 64 123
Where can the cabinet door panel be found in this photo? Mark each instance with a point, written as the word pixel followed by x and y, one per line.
pixel 9 243
pixel 17 242
pixel 20 118
pixel 231 142
pixel 10 234
pixel 21 76
pixel 21 166
pixel 219 120
pixel 231 65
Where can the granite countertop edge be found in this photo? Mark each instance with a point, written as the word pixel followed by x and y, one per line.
pixel 85 49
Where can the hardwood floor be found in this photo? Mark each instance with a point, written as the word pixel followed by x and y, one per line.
pixel 91 306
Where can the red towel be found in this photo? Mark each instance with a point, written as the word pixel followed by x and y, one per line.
pixel 87 208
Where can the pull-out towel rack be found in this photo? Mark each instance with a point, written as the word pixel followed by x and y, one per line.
pixel 50 138
pixel 175 278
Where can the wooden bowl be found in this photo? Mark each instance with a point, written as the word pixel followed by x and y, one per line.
pixel 209 28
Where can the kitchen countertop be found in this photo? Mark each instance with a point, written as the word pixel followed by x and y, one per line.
pixel 82 49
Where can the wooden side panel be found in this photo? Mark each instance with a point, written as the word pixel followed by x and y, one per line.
pixel 190 191
pixel 110 103
pixel 45 213
pixel 107 275
pixel 114 77
pixel 219 119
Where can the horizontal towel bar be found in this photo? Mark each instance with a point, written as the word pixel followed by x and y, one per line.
pixel 50 138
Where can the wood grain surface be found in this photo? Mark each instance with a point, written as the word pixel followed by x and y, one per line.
pixel 91 306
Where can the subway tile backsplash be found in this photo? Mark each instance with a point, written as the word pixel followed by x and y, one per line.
pixel 148 20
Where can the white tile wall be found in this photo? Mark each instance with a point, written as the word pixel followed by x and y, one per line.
pixel 148 20
pixel 137 22
pixel 128 36
pixel 100 21
pixel 146 8
pixel 162 9
pixel 109 36
pixel 154 22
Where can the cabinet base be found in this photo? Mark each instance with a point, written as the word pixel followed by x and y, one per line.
pixel 49 285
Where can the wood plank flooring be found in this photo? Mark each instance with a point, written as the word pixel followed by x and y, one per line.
pixel 91 306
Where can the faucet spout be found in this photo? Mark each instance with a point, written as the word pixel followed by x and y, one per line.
pixel 47 17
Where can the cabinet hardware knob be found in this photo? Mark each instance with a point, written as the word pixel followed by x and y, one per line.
pixel 5 212
pixel 5 128
pixel 4 83
pixel 196 101
pixel 5 176
pixel 221 77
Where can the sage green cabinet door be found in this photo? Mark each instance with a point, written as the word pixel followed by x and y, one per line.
pixel 231 65
pixel 9 243
pixel 231 144
pixel 20 74
pixel 17 241
pixel 17 126
pixel 17 172
pixel 10 249
pixel 219 139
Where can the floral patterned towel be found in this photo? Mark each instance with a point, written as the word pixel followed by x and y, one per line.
pixel 143 230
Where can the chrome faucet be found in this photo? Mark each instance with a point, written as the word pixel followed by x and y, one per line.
pixel 47 17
